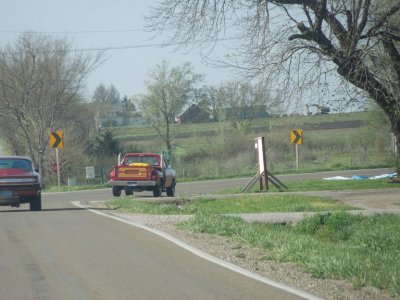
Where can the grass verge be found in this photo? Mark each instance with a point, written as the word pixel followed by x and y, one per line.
pixel 241 204
pixel 64 188
pixel 362 250
pixel 324 185
pixel 320 185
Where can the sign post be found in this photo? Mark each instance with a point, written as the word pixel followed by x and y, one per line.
pixel 58 168
pixel 57 141
pixel 262 161
pixel 296 137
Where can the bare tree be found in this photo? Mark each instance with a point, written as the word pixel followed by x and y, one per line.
pixel 299 42
pixel 239 103
pixel 40 80
pixel 80 134
pixel 168 90
pixel 106 101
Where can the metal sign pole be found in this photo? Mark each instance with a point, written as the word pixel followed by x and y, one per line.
pixel 297 157
pixel 58 168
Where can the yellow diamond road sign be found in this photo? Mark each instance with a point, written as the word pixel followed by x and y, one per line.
pixel 296 136
pixel 56 139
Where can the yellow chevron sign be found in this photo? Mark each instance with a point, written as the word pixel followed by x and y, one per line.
pixel 296 136
pixel 56 139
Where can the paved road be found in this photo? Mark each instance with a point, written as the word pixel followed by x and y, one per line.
pixel 64 252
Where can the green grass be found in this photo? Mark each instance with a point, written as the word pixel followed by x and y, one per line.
pixel 362 250
pixel 242 204
pixel 64 188
pixel 323 185
pixel 124 132
pixel 320 185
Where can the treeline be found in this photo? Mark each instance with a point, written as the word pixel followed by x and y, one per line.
pixel 42 88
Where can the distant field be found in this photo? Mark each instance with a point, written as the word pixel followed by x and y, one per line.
pixel 316 122
pixel 214 150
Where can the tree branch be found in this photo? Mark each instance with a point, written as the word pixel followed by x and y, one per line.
pixel 390 12
pixel 364 17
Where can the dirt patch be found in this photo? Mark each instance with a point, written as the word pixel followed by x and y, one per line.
pixel 380 199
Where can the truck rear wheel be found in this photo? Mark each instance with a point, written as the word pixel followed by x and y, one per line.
pixel 116 191
pixel 36 203
pixel 158 189
pixel 171 190
pixel 128 192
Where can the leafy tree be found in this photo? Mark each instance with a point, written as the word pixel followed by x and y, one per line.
pixel 41 81
pixel 127 104
pixel 105 145
pixel 301 42
pixel 167 92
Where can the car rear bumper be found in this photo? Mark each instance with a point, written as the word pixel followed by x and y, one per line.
pixel 17 194
pixel 10 200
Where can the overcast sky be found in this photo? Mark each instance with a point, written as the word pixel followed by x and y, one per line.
pixel 101 24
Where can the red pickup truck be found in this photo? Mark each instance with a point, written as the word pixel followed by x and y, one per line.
pixel 19 182
pixel 143 172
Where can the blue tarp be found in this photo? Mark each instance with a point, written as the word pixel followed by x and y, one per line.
pixel 361 177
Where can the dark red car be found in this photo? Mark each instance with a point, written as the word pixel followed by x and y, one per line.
pixel 19 182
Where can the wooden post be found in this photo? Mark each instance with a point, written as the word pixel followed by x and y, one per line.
pixel 262 162
pixel 265 164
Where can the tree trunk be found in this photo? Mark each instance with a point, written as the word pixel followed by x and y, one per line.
pixel 397 151
pixel 354 71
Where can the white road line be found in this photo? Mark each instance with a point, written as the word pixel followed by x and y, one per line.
pixel 204 255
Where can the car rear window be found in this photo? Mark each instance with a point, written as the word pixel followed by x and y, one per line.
pixel 11 163
pixel 151 160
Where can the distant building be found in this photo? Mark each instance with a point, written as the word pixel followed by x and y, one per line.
pixel 194 114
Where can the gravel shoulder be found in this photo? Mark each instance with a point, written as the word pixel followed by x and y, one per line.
pixel 256 260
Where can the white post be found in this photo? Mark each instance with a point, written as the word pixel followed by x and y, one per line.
pixel 262 161
pixel 297 157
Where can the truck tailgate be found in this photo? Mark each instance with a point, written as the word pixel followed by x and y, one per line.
pixel 132 172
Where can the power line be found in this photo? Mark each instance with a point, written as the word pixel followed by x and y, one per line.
pixel 71 32
pixel 157 45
